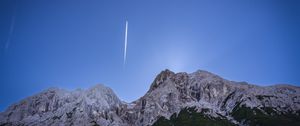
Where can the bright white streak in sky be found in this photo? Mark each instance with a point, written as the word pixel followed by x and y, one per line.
pixel 11 30
pixel 125 46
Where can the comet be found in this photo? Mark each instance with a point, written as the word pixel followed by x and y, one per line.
pixel 11 28
pixel 125 42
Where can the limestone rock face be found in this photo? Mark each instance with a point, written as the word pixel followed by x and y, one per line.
pixel 97 105
pixel 171 92
pixel 168 94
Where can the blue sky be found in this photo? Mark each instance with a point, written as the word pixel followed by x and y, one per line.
pixel 77 44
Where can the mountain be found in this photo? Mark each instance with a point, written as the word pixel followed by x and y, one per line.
pixel 56 106
pixel 199 98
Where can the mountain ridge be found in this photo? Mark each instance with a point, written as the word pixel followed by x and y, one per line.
pixel 169 93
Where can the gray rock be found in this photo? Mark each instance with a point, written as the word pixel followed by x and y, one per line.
pixel 168 94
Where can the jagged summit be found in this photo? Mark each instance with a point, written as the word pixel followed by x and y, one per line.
pixel 205 74
pixel 168 74
pixel 56 106
pixel 171 92
pixel 162 76
pixel 100 87
pixel 209 94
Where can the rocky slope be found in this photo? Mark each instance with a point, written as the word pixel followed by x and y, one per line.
pixel 211 98
pixel 56 107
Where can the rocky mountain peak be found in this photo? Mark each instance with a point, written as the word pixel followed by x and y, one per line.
pixel 55 106
pixel 100 88
pixel 170 93
pixel 202 74
pixel 101 95
pixel 161 77
pixel 183 79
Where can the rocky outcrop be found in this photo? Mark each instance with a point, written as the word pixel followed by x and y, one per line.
pixel 169 93
pixel 97 105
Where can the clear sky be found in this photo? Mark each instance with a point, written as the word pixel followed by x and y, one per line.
pixel 76 44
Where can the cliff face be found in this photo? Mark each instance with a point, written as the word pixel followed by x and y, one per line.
pixel 209 95
pixel 213 96
pixel 56 106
